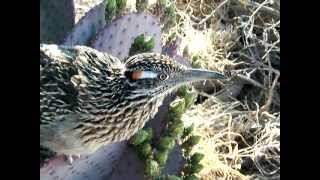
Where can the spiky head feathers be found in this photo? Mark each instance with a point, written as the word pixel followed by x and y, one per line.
pixel 152 73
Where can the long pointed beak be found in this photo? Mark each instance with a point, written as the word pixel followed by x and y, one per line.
pixel 200 74
pixel 194 75
pixel 188 76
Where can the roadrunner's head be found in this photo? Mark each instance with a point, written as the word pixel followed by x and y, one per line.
pixel 156 75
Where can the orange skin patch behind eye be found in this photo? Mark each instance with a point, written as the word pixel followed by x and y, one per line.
pixel 136 75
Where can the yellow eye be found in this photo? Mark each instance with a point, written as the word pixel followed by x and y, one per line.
pixel 163 77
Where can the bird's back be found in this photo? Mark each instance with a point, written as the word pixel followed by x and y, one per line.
pixel 57 93
pixel 67 76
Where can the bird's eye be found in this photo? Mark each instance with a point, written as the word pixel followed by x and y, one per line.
pixel 163 77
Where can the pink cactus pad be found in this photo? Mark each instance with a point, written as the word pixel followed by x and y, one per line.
pixel 87 27
pixel 97 166
pixel 116 38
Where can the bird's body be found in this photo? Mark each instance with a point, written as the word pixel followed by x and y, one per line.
pixel 89 99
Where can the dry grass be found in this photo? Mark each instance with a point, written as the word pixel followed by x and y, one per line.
pixel 233 136
pixel 241 134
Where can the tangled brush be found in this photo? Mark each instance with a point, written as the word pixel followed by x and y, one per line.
pixel 237 141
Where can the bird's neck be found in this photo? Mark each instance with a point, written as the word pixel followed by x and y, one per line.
pixel 117 113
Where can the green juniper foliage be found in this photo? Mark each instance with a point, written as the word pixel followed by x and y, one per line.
pixel 173 177
pixel 192 141
pixel 169 17
pixel 149 132
pixel 170 11
pixel 163 2
pixel 196 158
pixel 183 91
pixel 195 61
pixel 114 8
pixel 166 143
pixel 111 10
pixel 190 177
pixel 121 4
pixel 193 165
pixel 176 129
pixel 177 108
pixel 152 168
pixel 169 177
pixel 140 137
pixel 193 168
pixel 144 151
pixel 187 131
pixel 161 157
pixel 189 96
pixel 141 44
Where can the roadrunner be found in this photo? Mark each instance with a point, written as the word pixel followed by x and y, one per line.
pixel 89 99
